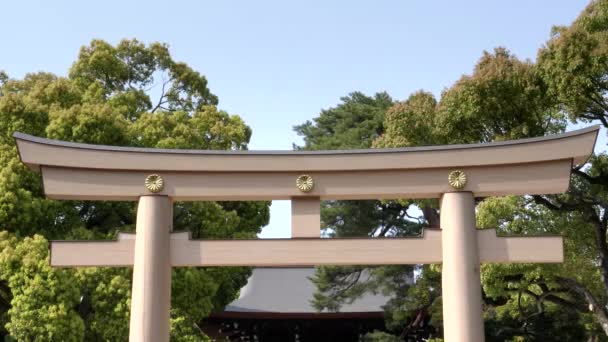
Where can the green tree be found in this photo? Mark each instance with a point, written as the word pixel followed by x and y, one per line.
pixel 574 66
pixel 574 63
pixel 410 122
pixel 356 123
pixel 528 298
pixel 43 299
pixel 504 98
pixel 130 94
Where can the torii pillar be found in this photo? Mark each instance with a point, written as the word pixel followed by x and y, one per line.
pixel 151 292
pixel 454 174
pixel 461 286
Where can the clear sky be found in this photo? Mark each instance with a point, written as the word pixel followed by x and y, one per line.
pixel 278 63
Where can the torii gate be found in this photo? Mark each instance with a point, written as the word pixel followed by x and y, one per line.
pixel 456 174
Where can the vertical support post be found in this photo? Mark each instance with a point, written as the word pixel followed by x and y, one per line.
pixel 151 292
pixel 306 217
pixel 461 285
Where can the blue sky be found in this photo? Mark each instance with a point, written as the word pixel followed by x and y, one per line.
pixel 278 63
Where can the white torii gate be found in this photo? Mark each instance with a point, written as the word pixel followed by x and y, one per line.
pixel 456 174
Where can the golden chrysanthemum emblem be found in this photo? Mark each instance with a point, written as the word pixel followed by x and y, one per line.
pixel 154 183
pixel 305 183
pixel 457 179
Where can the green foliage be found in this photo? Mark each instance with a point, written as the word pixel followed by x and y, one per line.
pixel 337 285
pixel 423 297
pixel 530 300
pixel 90 122
pixel 43 298
pixel 184 330
pixel 410 123
pixel 379 336
pixel 504 98
pixel 3 78
pixel 574 64
pixel 106 100
pixel 131 67
pixel 354 123
pixel 106 302
pixel 537 302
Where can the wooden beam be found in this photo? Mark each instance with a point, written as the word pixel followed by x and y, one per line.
pixel 307 252
pixel 576 145
pixel 516 249
pixel 305 217
pixel 90 172
pixel 310 252
pixel 119 252
pixel 90 184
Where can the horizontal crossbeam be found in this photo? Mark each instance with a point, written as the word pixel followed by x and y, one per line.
pixel 575 146
pixel 307 252
pixel 91 172
pixel 89 184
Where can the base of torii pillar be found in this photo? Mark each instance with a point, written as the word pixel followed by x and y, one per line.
pixel 461 285
pixel 151 291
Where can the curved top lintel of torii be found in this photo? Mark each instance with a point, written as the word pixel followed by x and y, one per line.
pixel 526 166
pixel 576 145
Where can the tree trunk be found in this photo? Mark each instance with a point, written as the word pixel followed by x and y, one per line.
pixel 594 305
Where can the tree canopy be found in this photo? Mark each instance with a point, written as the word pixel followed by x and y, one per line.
pixel 503 98
pixel 130 94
